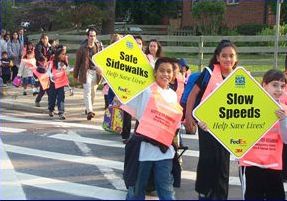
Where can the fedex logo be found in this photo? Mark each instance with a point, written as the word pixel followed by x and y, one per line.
pixel 239 141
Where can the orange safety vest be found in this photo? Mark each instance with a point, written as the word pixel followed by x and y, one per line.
pixel 267 152
pixel 43 79
pixel 214 81
pixel 160 118
pixel 180 86
pixel 60 77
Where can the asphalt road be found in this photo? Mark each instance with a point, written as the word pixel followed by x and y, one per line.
pixel 45 158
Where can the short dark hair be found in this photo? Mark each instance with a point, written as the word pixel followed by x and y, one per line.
pixel 4 52
pixel 272 75
pixel 91 29
pixel 161 60
pixel 138 37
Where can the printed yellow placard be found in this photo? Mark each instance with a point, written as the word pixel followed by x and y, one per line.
pixel 125 68
pixel 238 112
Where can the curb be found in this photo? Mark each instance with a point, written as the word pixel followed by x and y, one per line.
pixel 22 107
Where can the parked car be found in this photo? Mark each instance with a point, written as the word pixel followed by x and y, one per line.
pixel 25 24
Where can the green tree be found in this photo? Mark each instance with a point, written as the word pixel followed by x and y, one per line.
pixel 146 12
pixel 209 16
pixel 109 20
pixel 283 13
pixel 8 13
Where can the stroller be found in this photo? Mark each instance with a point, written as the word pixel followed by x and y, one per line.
pixel 177 160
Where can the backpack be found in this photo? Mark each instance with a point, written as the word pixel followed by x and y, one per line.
pixel 188 87
pixel 191 82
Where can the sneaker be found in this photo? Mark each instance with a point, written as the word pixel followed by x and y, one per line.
pixel 62 117
pixel 51 113
pixel 90 115
pixel 24 93
pixel 35 92
pixel 37 104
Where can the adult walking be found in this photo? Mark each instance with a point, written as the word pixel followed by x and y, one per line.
pixel 85 70
pixel 42 55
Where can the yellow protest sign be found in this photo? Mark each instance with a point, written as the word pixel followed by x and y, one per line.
pixel 238 113
pixel 125 68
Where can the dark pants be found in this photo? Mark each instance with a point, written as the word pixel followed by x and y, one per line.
pixel 106 101
pixel 14 72
pixel 56 94
pixel 6 78
pixel 40 94
pixel 263 184
pixel 127 123
pixel 213 168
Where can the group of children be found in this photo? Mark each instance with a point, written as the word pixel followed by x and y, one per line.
pixel 49 73
pixel 158 111
pixel 150 150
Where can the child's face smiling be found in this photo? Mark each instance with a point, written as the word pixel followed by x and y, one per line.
pixel 275 88
pixel 164 74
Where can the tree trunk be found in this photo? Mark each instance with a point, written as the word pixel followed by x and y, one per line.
pixel 108 23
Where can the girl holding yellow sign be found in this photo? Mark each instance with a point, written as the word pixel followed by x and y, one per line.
pixel 261 166
pixel 213 165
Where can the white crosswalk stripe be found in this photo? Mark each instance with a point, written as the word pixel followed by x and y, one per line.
pixel 11 130
pixel 11 188
pixel 71 188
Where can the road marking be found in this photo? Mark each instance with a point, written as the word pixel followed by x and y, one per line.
pixel 108 172
pixel 111 143
pixel 82 146
pixel 54 123
pixel 71 188
pixel 11 188
pixel 85 160
pixel 90 160
pixel 189 175
pixel 187 153
pixel 12 130
pixel 107 143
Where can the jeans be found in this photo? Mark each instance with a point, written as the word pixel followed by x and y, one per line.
pixel 89 90
pixel 163 179
pixel 58 94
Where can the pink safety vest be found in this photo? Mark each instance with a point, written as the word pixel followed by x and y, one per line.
pixel 180 86
pixel 267 152
pixel 60 77
pixel 160 119
pixel 214 81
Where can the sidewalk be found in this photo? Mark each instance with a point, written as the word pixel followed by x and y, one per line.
pixel 74 105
